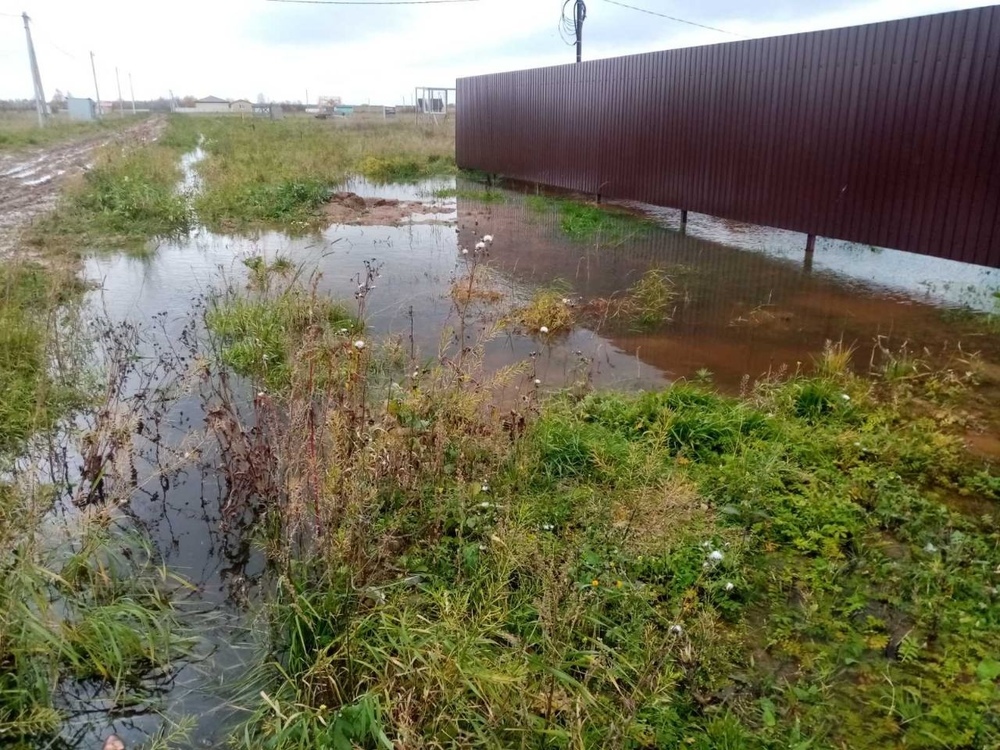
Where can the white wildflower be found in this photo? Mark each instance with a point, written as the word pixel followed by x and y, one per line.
pixel 543 329
pixel 480 246
pixel 485 487
pixel 715 556
pixel 845 397
pixel 730 586
pixel 930 549
pixel 465 251
pixel 359 345
pixel 487 238
pixel 547 527
pixel 537 381
pixel 676 629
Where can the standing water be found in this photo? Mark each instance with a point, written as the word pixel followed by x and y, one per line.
pixel 744 303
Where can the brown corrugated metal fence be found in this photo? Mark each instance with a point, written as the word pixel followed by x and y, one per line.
pixel 886 134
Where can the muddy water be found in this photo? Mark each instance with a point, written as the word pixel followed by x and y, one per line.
pixel 746 305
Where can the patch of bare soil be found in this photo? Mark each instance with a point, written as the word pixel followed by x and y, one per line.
pixel 30 181
pixel 351 208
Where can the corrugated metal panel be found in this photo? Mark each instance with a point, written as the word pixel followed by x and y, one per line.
pixel 886 134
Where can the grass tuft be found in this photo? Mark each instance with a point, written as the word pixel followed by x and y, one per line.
pixel 585 222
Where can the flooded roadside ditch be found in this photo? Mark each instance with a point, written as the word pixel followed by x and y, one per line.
pixel 735 312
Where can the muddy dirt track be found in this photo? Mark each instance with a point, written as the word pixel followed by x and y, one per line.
pixel 30 181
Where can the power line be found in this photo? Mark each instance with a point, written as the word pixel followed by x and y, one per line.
pixel 373 2
pixel 673 18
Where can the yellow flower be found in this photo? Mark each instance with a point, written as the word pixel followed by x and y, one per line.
pixel 618 584
pixel 595 582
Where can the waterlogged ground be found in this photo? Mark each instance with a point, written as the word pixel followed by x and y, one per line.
pixel 745 304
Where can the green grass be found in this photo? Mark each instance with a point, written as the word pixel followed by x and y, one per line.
pixel 129 197
pixel 90 608
pixel 19 131
pixel 587 222
pixel 32 395
pixel 488 195
pixel 282 172
pixel 669 569
pixel 260 336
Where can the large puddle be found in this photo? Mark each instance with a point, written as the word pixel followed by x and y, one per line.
pixel 746 304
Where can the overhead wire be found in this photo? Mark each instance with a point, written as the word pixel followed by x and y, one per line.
pixel 567 23
pixel 673 18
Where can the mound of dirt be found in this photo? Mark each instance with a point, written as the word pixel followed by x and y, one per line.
pixel 351 208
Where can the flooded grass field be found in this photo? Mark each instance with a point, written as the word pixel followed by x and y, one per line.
pixel 587 481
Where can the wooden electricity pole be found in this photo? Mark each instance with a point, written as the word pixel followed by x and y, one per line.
pixel 36 77
pixel 121 104
pixel 97 91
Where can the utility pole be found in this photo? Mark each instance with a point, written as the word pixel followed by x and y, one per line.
pixel 307 97
pixel 121 104
pixel 579 16
pixel 36 77
pixel 131 91
pixel 97 91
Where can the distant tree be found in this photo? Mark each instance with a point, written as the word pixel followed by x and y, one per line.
pixel 261 99
pixel 187 101
pixel 58 101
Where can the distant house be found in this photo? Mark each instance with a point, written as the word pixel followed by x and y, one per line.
pixel 211 104
pixel 81 109
pixel 241 107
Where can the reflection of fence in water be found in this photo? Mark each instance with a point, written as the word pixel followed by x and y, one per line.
pixel 736 312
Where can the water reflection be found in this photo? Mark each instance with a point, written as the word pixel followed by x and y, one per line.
pixel 735 313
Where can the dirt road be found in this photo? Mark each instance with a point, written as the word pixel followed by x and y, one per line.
pixel 30 181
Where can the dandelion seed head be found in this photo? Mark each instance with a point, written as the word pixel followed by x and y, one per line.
pixel 359 345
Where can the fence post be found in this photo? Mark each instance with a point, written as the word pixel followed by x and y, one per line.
pixel 684 220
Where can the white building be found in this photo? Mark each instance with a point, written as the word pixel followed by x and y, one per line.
pixel 211 104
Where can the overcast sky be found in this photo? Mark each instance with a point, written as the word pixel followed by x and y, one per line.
pixel 242 48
